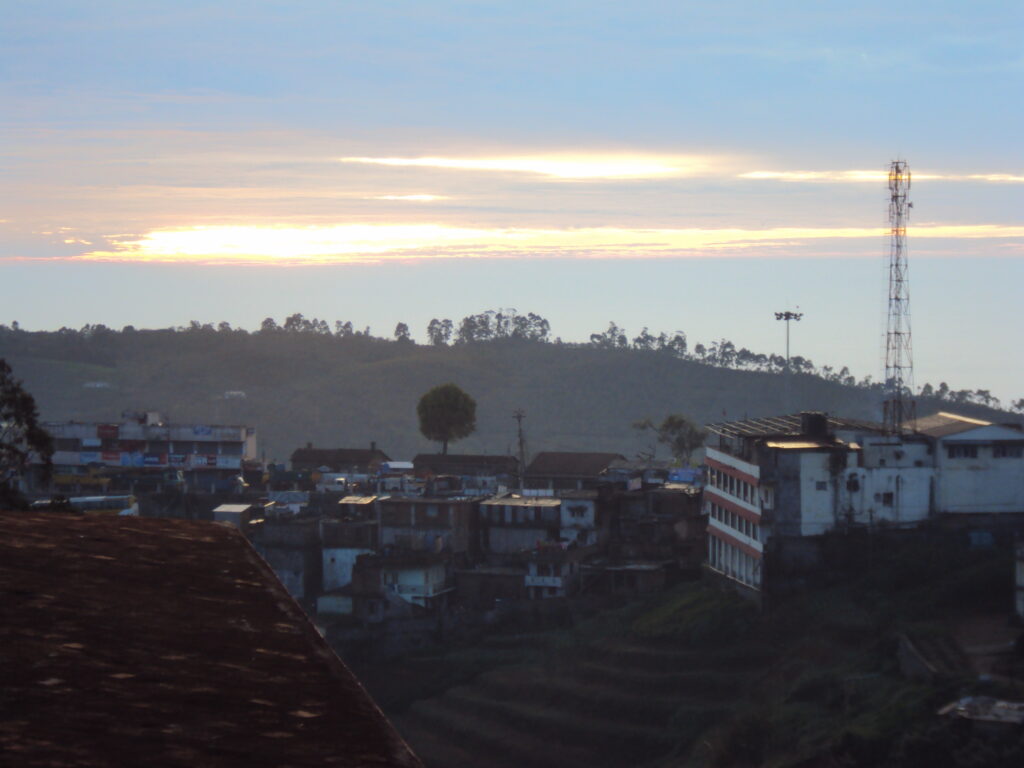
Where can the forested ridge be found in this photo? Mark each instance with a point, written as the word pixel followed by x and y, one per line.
pixel 304 380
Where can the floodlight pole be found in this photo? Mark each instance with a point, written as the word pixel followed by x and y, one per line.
pixel 788 316
pixel 519 414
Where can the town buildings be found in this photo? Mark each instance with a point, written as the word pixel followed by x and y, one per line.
pixel 773 482
pixel 144 451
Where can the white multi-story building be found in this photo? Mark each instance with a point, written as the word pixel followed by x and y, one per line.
pixel 804 475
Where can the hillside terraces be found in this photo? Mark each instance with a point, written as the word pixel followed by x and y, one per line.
pixel 693 677
pixel 607 701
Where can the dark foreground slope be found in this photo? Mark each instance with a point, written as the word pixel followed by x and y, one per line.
pixel 695 677
pixel 348 391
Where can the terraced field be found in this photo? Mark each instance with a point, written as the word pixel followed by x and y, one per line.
pixel 613 703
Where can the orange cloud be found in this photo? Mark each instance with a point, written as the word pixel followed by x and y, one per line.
pixel 353 243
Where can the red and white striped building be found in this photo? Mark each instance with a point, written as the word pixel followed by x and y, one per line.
pixel 735 503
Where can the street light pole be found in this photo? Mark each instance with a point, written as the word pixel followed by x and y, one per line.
pixel 788 316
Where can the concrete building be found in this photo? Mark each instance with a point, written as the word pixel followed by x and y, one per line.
pixel 795 477
pixel 355 462
pixel 479 475
pixel 980 465
pixel 145 446
pixel 423 523
pixel 802 476
pixel 552 570
pixel 291 547
pixel 552 472
pixel 516 524
pixel 342 543
pixel 1019 580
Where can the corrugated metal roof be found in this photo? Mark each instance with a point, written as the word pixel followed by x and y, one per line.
pixel 942 424
pixel 791 424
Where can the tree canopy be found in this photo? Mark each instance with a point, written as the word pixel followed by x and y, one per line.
pixel 677 432
pixel 446 414
pixel 20 432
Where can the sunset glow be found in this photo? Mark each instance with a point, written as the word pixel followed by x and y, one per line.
pixel 353 243
pixel 609 166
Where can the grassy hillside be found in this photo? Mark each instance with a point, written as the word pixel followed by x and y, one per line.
pixel 348 391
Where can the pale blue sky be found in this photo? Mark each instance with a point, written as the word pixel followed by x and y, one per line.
pixel 128 122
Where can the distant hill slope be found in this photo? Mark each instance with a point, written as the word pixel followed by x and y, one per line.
pixel 347 392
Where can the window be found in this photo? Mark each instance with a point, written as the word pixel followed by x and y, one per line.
pixel 1008 451
pixel 962 451
pixel 821 485
pixel 887 499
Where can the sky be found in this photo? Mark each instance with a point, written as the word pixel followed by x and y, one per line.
pixel 677 166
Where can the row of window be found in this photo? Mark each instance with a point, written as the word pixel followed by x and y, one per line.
pixel 544 515
pixel 74 444
pixel 734 521
pixel 998 451
pixel 732 485
pixel 734 562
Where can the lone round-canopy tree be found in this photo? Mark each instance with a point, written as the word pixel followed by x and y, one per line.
pixel 446 414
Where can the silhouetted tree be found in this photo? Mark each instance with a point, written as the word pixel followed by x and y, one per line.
pixel 20 432
pixel 446 414
pixel 402 333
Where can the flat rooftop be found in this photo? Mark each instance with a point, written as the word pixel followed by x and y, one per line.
pixel 167 642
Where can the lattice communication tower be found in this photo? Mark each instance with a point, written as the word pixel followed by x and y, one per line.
pixel 899 362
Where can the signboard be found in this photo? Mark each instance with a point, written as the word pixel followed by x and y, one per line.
pixel 111 457
pixel 201 429
pixel 176 459
pixel 132 460
pixel 107 431
pixel 229 462
pixel 90 457
pixel 154 459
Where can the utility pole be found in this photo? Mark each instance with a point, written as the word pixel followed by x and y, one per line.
pixel 788 316
pixel 519 414
pixel 899 405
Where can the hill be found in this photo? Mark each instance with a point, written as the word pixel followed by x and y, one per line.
pixel 350 390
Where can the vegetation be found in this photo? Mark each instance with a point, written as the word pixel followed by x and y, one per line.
pixel 20 433
pixel 308 380
pixel 446 414
pixel 696 677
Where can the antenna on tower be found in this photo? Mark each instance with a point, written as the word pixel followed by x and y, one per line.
pixel 899 362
